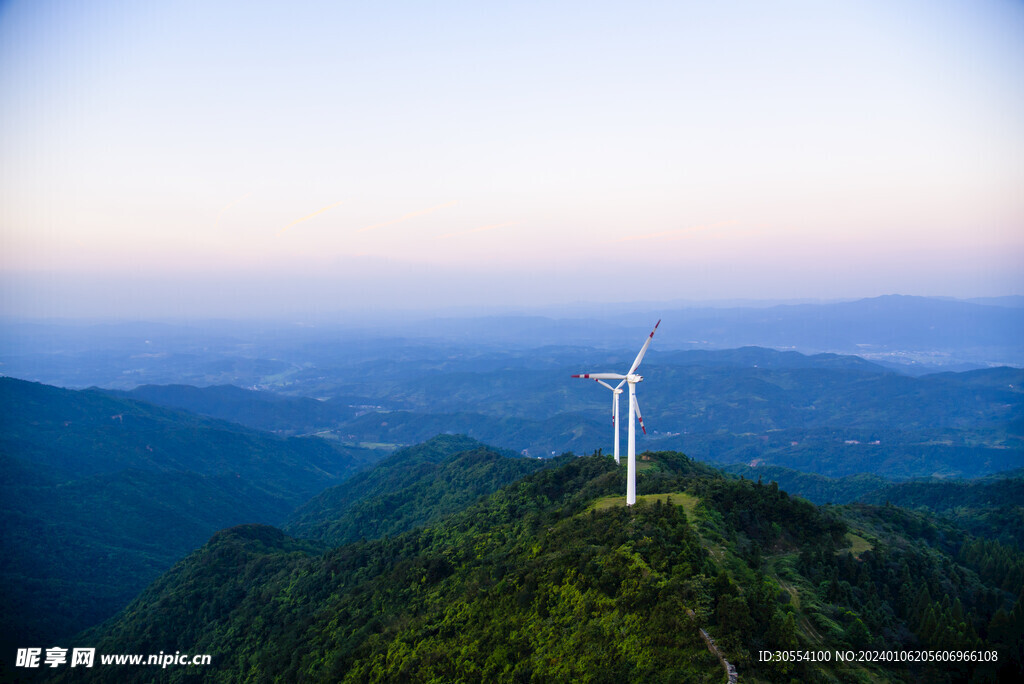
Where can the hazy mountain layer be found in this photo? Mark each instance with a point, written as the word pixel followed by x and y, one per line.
pixel 267 411
pixel 914 334
pixel 830 414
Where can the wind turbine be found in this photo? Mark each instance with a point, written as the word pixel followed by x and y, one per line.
pixel 631 379
pixel 616 391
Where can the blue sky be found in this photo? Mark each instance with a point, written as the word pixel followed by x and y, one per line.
pixel 258 158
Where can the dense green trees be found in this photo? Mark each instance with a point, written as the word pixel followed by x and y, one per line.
pixel 537 583
pixel 411 487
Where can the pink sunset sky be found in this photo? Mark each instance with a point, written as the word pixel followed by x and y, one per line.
pixel 198 158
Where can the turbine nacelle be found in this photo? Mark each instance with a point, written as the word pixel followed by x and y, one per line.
pixel 633 378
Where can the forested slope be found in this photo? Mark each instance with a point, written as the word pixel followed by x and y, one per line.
pixel 551 578
pixel 991 506
pixel 411 487
pixel 101 495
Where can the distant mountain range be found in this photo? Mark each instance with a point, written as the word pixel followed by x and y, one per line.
pixel 913 335
pixel 826 413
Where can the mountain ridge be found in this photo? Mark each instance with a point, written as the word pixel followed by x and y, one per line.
pixel 541 580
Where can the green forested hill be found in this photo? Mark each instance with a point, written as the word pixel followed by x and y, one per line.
pixel 991 506
pixel 411 487
pixel 552 579
pixel 811 486
pixel 72 434
pixel 101 495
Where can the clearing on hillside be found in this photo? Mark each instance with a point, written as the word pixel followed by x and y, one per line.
pixel 856 545
pixel 687 501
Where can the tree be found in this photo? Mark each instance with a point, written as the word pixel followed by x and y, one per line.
pixel 857 634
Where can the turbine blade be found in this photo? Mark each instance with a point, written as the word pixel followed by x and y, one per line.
pixel 602 382
pixel 643 350
pixel 619 386
pixel 601 376
pixel 615 405
pixel 636 407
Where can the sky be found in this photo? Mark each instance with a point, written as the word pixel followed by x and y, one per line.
pixel 263 158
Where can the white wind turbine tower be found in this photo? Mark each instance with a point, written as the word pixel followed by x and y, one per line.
pixel 631 379
pixel 616 391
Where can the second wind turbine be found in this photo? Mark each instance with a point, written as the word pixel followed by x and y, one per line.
pixel 630 378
